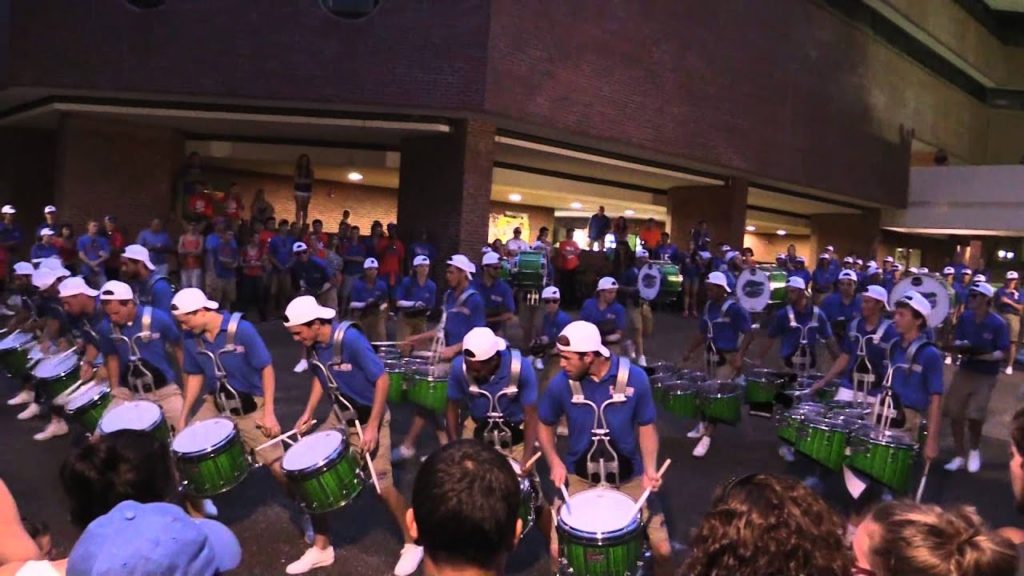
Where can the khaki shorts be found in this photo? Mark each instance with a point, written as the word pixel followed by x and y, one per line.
pixel 642 318
pixel 410 326
pixel 1012 326
pixel 726 371
pixel 252 435
pixel 968 395
pixel 382 459
pixel 372 323
pixel 169 399
pixel 516 452
pixel 657 531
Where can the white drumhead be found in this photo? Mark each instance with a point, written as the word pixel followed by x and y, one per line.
pixel 203 435
pixel 15 340
pixel 136 415
pixel 753 289
pixel 649 281
pixel 933 289
pixel 598 510
pixel 57 365
pixel 312 450
pixel 84 395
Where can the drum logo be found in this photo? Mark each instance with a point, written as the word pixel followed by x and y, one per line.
pixel 754 288
pixel 649 281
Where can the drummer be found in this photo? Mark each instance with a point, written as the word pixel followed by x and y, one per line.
pixel 151 288
pixel 53 324
pixel 368 301
pixel 363 383
pixel 864 350
pixel 499 301
pixel 415 297
pixel 725 325
pixel 25 312
pixel 593 371
pixel 843 306
pixel 603 311
pixel 637 307
pixel 822 278
pixel 85 315
pixel 552 324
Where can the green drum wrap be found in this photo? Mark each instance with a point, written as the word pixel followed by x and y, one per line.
pixel 600 537
pixel 528 270
pixel 210 457
pixel 777 283
pixel 57 373
pixel 720 401
pixel 430 393
pixel 658 384
pixel 885 456
pixel 396 381
pixel 87 405
pixel 791 422
pixel 14 353
pixel 682 399
pixel 824 441
pixel 140 415
pixel 323 474
pixel 762 386
pixel 671 280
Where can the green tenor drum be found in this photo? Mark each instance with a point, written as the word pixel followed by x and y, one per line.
pixel 396 380
pixel 791 422
pixel 720 401
pixel 824 440
pixel 887 456
pixel 210 457
pixel 323 473
pixel 14 353
pixel 57 373
pixel 429 388
pixel 682 399
pixel 762 386
pixel 87 405
pixel 529 269
pixel 141 415
pixel 599 535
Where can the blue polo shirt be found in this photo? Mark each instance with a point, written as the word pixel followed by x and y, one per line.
pixel 726 329
pixel 227 249
pixel 51 308
pixel 622 418
pixel 153 241
pixel 822 278
pixel 158 294
pixel 11 233
pixel 876 352
pixel 960 292
pixel 888 280
pixel 834 309
pixel 421 249
pixel 280 248
pixel 511 406
pixel 497 297
pixel 243 367
pixel 153 351
pixel 357 375
pixel 461 319
pixel 1014 296
pixel 410 289
pixel 311 274
pixel 40 251
pixel 552 325
pixel 86 328
pixel 791 335
pixel 362 291
pixel 608 320
pixel 916 386
pixel 353 250
pixel 666 252
pixel 801 273
pixel 988 335
pixel 91 246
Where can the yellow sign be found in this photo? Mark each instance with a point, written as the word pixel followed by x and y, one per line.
pixel 501 226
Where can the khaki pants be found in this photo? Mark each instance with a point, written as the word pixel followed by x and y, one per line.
pixel 372 322
pixel 169 399
pixel 252 435
pixel 382 457
pixel 968 395
pixel 222 291
pixel 408 327
pixel 643 324
pixel 652 515
pixel 328 298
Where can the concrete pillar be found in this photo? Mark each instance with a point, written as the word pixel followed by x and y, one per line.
pixel 119 168
pixel 859 233
pixel 445 186
pixel 724 207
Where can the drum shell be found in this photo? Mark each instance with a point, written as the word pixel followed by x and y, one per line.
pixel 887 460
pixel 529 271
pixel 682 399
pixel 214 470
pixel 762 386
pixel 14 358
pixel 612 553
pixel 671 280
pixel 430 393
pixel 89 414
pixel 529 496
pixel 396 380
pixel 824 441
pixel 328 485
pixel 720 401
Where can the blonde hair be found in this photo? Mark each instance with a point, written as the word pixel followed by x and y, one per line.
pixel 925 540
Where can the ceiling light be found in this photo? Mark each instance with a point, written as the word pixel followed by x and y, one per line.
pixel 1001 253
pixel 780 232
pixel 629 212
pixel 576 206
pixel 751 228
pixel 1010 255
pixel 515 197
pixel 355 176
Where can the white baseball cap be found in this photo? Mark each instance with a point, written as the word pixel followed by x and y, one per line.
pixel 848 260
pixel 730 255
pixel 823 256
pixel 726 248
pixel 490 259
pixel 872 269
pixel 480 344
pixel 8 209
pixel 848 275
pixel 897 266
pixel 704 255
pixel 55 264
pixel 922 270
pixel 859 261
pixel 47 231
pixel 796 282
pixel 299 247
pixel 872 263
pixel 718 279
pixel 421 260
pixel 966 272
pixel 888 259
pixel 370 263
pixel 916 301
pixel 462 263
pixel 551 293
pixel 641 253
pixel 607 283
pixel 830 248
pixel 43 278
pixel 116 290
pixel 981 278
pixel 912 270
pixel 486 249
pixel 189 300
pixel 980 287
pixel 49 209
pixel 582 336
pixel 1012 275
pixel 780 256
pixel 878 293
pixel 950 270
pixel 139 253
pixel 74 286
pixel 24 268
pixel 306 309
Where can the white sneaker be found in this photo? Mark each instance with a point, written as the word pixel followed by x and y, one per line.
pixel 974 461
pixel 53 429
pixel 410 560
pixel 23 397
pixel 312 558
pixel 301 367
pixel 208 508
pixel 641 361
pixel 696 432
pixel 307 528
pixel 1009 370
pixel 955 464
pixel 702 447
pixel 949 360
pixel 786 453
pixel 402 453
pixel 31 412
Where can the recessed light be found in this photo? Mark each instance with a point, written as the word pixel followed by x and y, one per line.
pixel 355 176
pixel 515 197
pixel 751 228
pixel 576 206
pixel 1010 255
pixel 780 232
pixel 629 212
pixel 1001 253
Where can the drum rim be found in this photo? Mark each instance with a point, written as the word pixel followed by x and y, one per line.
pixel 337 454
pixel 868 434
pixel 59 376
pixel 197 454
pixel 29 339
pixel 609 537
pixel 100 392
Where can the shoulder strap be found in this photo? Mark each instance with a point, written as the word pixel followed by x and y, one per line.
pixel 854 326
pixel 622 377
pixel 577 390
pixel 882 326
pixel 726 305
pixel 815 314
pixel 515 369
pixel 154 278
pixel 915 346
pixel 339 337
pixel 229 341
pixel 465 296
pixel 147 318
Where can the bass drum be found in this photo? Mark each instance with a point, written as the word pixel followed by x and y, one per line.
pixel 936 291
pixel 753 289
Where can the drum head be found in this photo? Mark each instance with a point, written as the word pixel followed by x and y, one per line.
pixel 753 289
pixel 85 395
pixel 55 366
pixel 202 436
pixel 313 450
pixel 598 510
pixel 933 289
pixel 649 281
pixel 136 415
pixel 16 340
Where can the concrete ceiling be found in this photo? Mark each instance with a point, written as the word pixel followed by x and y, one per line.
pixel 1006 5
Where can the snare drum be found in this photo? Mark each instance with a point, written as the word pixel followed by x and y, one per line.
pixel 791 422
pixel 428 390
pixel 600 537
pixel 57 373
pixel 762 386
pixel 529 495
pixel 887 456
pixel 87 405
pixel 824 440
pixel 682 399
pixel 396 380
pixel 210 457
pixel 322 472
pixel 135 415
pixel 720 401
pixel 14 353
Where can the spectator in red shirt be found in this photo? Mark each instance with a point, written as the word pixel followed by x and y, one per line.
pixel 233 206
pixel 67 247
pixel 266 232
pixel 116 240
pixel 254 261
pixel 567 260
pixel 391 255
pixel 200 206
pixel 317 240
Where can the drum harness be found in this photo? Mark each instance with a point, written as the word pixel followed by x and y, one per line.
pixel 229 401
pixel 145 296
pixel 801 359
pixel 140 379
pixel 712 359
pixel 863 372
pixel 597 465
pixel 497 432
pixel 888 409
pixel 439 338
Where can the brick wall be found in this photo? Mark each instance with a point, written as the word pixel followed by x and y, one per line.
pixel 724 208
pixel 26 176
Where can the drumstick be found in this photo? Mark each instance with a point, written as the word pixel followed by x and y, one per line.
pixel 282 436
pixel 647 492
pixel 369 461
pixel 924 480
pixel 531 462
pixel 395 343
pixel 565 494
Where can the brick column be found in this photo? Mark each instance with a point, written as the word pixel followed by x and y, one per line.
pixel 724 207
pixel 860 233
pixel 108 167
pixel 445 186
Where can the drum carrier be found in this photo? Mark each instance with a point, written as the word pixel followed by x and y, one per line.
pixel 610 471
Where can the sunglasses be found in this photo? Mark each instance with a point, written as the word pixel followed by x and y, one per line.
pixel 550 301
pixel 975 295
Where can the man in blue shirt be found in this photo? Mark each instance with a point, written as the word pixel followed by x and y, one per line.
pixel 637 308
pixel 799 269
pixel 346 370
pixel 983 341
pixel 415 297
pixel 158 242
pixel 844 305
pixel 888 273
pixel 725 325
pixel 917 370
pixel 93 251
pixel 421 247
pixel 45 248
pixel 499 301
pixel 700 237
pixel 313 277
pixel 53 326
pixel 151 288
pixel 960 291
pixel 85 315
pixel 665 250
pixel 603 311
pixel 10 233
pixel 553 321
pixel 1009 303
pixel 369 301
pixel 822 278
pixel 222 285
pixel 279 253
pixel 49 220
pixel 597 228
pixel 353 254
pixel 592 373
